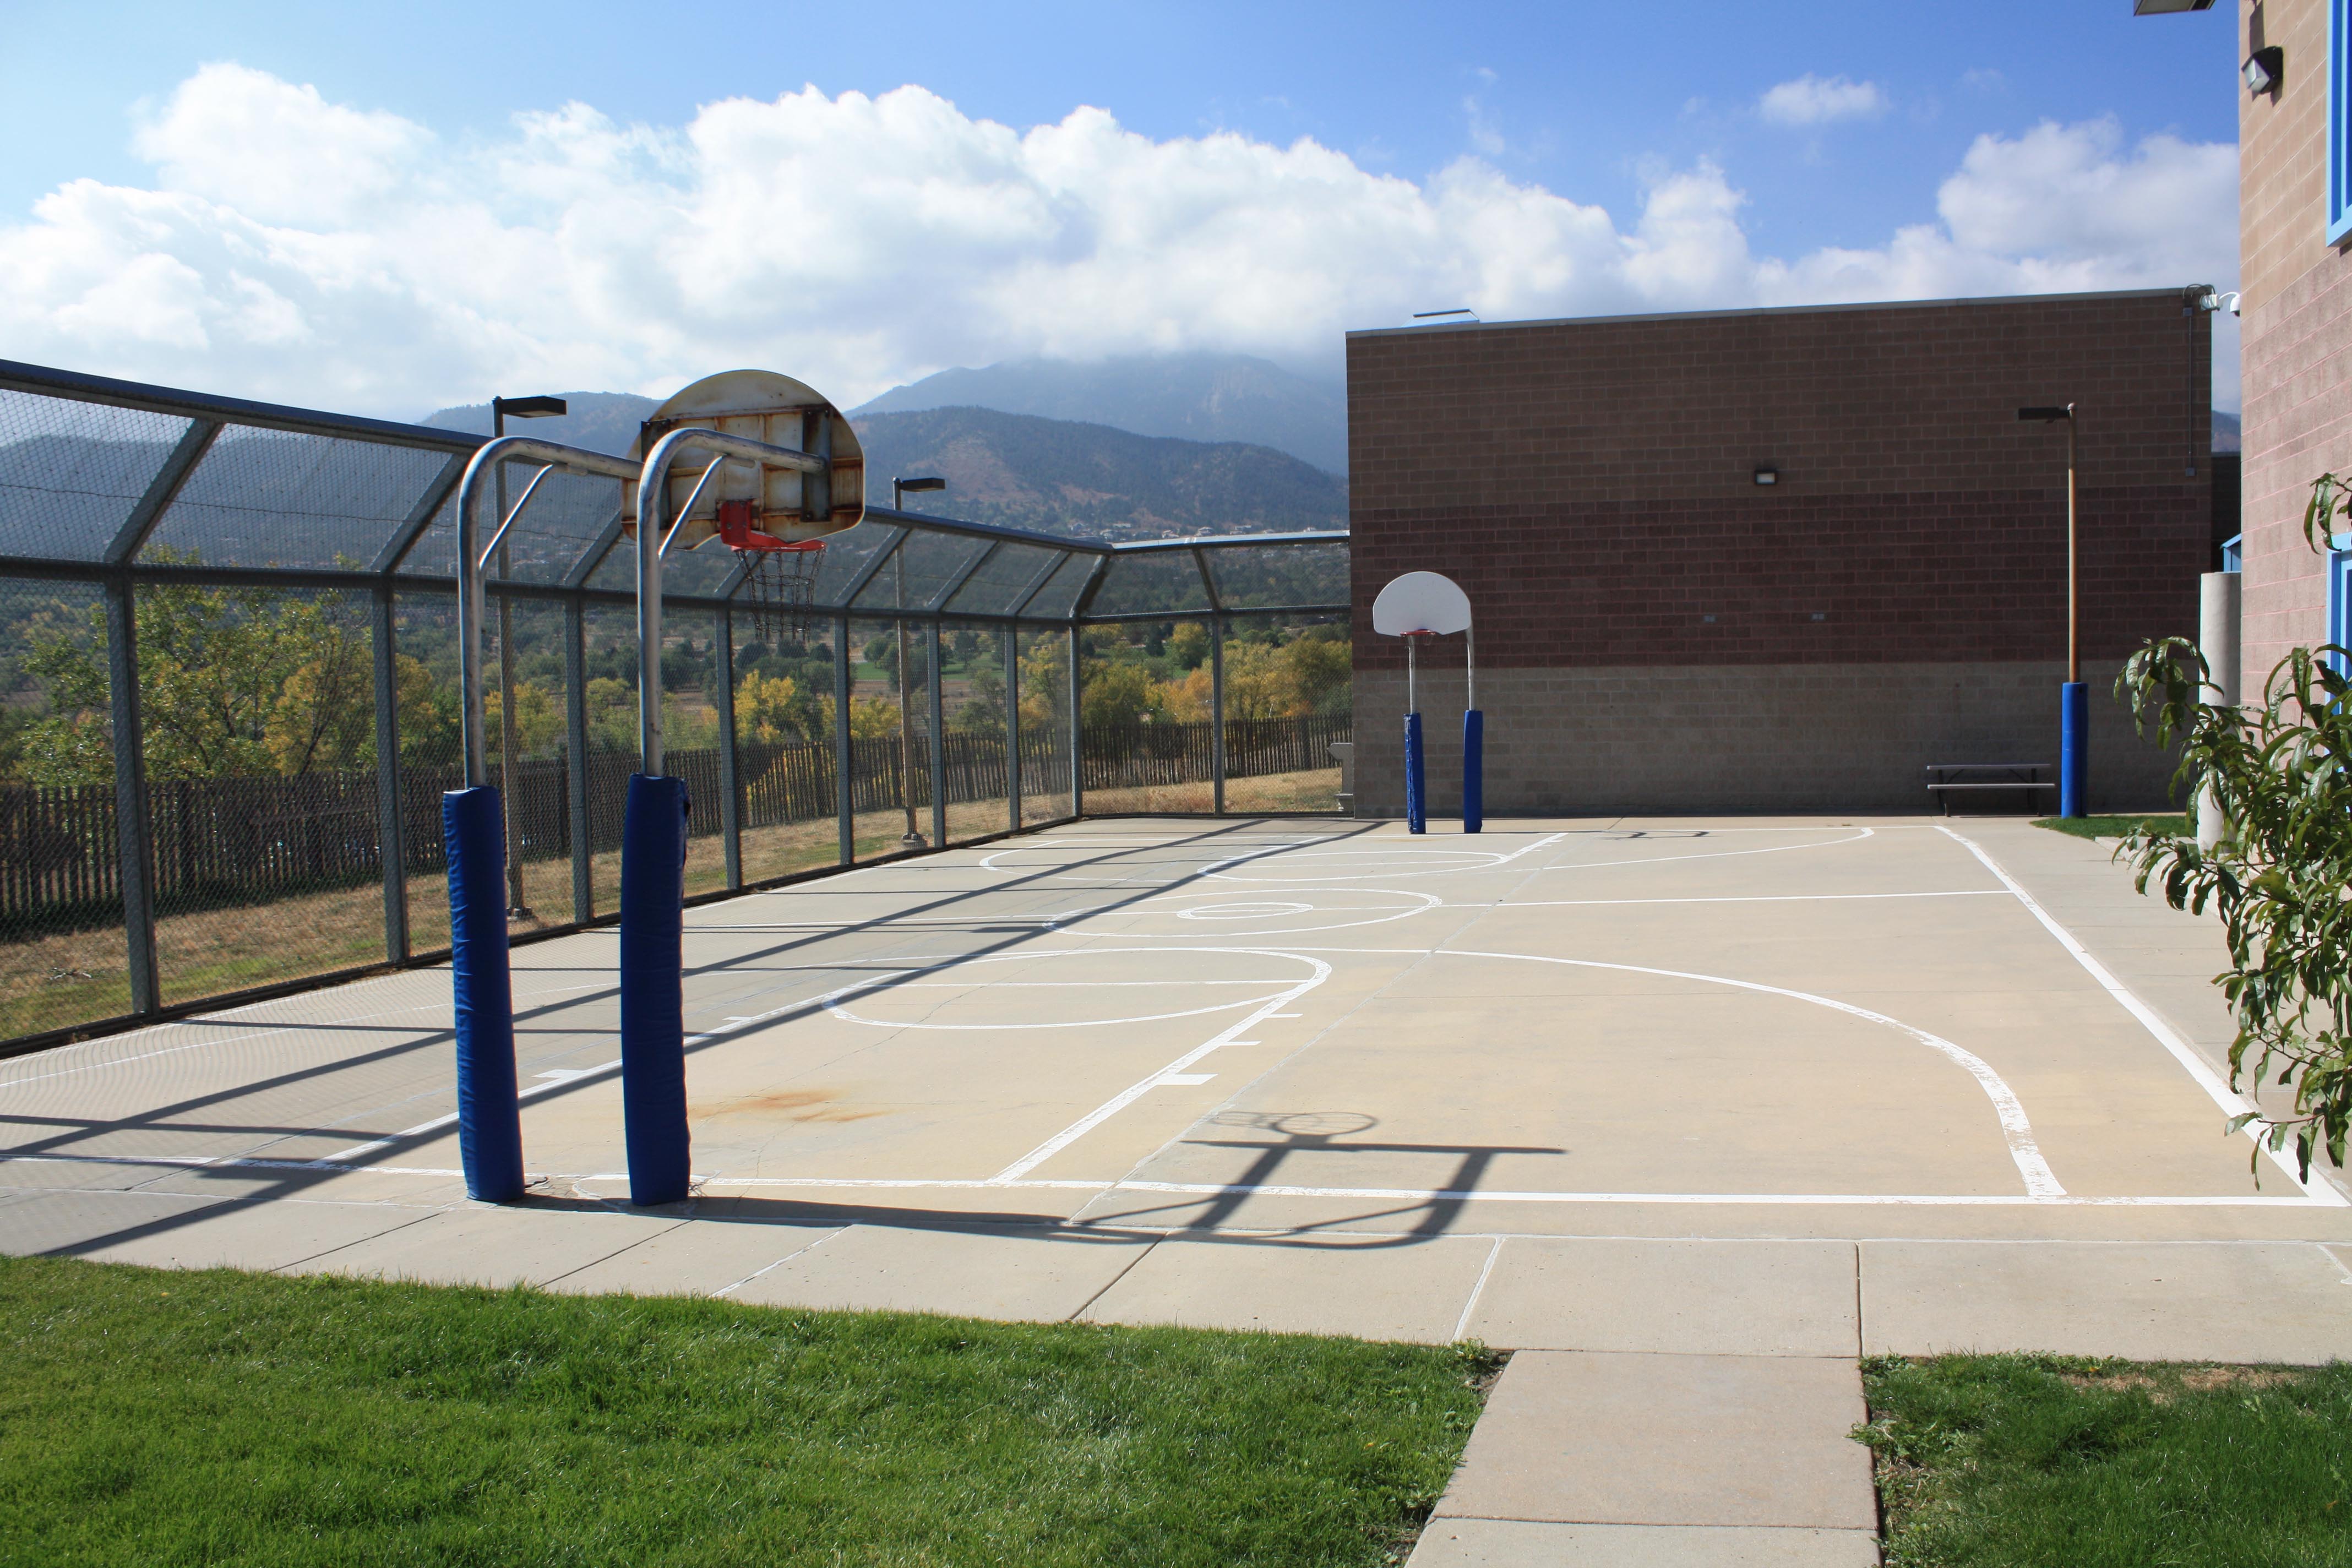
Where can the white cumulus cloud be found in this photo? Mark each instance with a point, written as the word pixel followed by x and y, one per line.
pixel 1812 99
pixel 291 249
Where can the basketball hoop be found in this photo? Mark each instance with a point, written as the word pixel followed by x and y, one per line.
pixel 779 575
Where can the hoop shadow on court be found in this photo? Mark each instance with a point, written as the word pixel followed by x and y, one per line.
pixel 1310 1132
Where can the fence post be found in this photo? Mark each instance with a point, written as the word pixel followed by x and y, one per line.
pixel 1078 752
pixel 730 813
pixel 134 838
pixel 1012 725
pixel 843 805
pixel 938 743
pixel 391 830
pixel 575 754
pixel 1217 711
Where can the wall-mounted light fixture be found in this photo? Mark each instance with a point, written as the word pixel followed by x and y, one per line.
pixel 2212 301
pixel 2261 69
pixel 1767 474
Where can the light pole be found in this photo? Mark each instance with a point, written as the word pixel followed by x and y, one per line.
pixel 2074 700
pixel 913 838
pixel 521 408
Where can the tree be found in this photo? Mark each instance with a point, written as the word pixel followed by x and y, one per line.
pixel 1318 674
pixel 1116 695
pixel 778 709
pixel 983 712
pixel 2281 772
pixel 232 681
pixel 1188 645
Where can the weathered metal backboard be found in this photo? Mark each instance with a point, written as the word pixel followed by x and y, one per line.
pixel 763 406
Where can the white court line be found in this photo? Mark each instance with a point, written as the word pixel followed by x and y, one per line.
pixel 576 1075
pixel 1214 1189
pixel 2040 1180
pixel 1476 1194
pixel 2230 1103
pixel 1714 854
pixel 1462 1324
pixel 570 1077
pixel 1120 1102
pixel 1034 955
pixel 1747 898
pixel 196 1020
pixel 2016 1129
pixel 1476 862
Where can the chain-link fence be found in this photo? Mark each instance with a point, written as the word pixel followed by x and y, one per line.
pixel 229 701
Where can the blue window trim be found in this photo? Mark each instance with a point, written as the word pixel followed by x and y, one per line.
pixel 2339 606
pixel 2339 119
pixel 2233 552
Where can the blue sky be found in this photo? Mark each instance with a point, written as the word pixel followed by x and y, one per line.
pixel 1514 125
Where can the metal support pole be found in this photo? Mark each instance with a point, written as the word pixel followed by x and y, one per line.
pixel 2074 700
pixel 517 909
pixel 1217 711
pixel 133 832
pixel 2074 572
pixel 391 835
pixel 913 838
pixel 575 748
pixel 938 743
pixel 730 791
pixel 1012 636
pixel 1077 733
pixel 653 520
pixel 841 758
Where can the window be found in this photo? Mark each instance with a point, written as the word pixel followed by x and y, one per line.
pixel 2233 552
pixel 2339 118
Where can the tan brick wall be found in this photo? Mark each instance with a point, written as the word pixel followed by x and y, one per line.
pixel 2297 352
pixel 1754 737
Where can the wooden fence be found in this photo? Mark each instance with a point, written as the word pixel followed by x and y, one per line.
pixel 247 841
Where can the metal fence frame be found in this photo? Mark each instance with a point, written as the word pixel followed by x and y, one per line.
pixel 118 572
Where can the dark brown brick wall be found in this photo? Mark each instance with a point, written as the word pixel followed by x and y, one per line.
pixel 1589 483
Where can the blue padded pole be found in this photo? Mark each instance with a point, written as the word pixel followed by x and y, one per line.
pixel 1474 770
pixel 653 996
pixel 1416 817
pixel 490 1113
pixel 2073 746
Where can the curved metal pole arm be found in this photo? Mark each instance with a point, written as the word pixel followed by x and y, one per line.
pixel 473 736
pixel 652 489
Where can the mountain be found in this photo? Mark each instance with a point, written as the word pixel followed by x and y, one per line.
pixel 2226 433
pixel 1199 397
pixel 1059 476
pixel 600 421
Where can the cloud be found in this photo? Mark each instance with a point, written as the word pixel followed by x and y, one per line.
pixel 1811 100
pixel 298 250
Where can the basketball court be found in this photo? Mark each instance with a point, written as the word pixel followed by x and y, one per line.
pixel 1291 1027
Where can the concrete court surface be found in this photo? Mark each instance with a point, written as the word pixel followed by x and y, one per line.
pixel 1689 1113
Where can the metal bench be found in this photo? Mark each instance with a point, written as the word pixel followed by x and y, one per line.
pixel 1945 780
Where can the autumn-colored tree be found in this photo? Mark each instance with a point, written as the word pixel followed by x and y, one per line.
pixel 233 682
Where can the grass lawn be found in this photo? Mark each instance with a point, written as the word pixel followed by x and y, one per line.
pixel 150 1416
pixel 2026 1461
pixel 2113 826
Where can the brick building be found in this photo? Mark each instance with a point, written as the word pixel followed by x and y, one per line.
pixel 2297 344
pixel 1659 631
